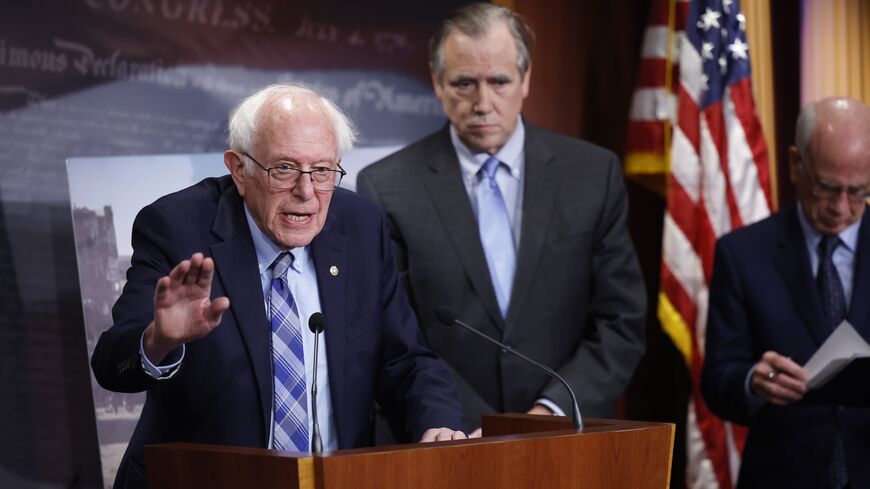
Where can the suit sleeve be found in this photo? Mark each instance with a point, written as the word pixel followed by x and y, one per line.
pixel 728 351
pixel 413 380
pixel 475 406
pixel 615 334
pixel 116 362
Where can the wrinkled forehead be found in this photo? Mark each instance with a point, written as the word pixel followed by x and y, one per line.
pixel 293 121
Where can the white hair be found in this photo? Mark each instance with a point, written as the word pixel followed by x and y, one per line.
pixel 245 118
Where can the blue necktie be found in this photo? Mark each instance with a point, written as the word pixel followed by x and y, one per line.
pixel 496 235
pixel 829 284
pixel 834 310
pixel 288 357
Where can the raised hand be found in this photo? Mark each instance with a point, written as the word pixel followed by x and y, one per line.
pixel 183 311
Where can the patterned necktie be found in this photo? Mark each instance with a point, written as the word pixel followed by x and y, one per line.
pixel 828 283
pixel 834 310
pixel 288 357
pixel 496 235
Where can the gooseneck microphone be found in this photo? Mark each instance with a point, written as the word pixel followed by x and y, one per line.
pixel 316 323
pixel 449 318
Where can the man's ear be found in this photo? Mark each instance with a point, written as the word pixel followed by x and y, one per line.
pixel 794 162
pixel 237 169
pixel 526 80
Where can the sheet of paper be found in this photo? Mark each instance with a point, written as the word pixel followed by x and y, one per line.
pixel 844 345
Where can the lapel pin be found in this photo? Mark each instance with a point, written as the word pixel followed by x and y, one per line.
pixel 333 270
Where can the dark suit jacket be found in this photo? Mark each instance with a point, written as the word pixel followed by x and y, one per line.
pixel 578 300
pixel 763 297
pixel 222 393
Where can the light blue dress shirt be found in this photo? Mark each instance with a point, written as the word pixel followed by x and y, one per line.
pixel 510 182
pixel 302 280
pixel 510 179
pixel 844 255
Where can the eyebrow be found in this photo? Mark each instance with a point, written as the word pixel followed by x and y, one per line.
pixel 500 78
pixel 834 185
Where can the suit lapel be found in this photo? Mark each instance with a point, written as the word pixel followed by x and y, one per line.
pixel 793 264
pixel 538 196
pixel 236 265
pixel 859 308
pixel 328 250
pixel 450 199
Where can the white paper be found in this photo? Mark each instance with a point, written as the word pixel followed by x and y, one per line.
pixel 838 351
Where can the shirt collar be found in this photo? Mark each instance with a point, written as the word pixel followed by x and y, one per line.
pixel 510 154
pixel 848 236
pixel 268 251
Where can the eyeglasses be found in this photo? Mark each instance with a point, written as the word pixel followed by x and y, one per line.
pixel 828 191
pixel 284 176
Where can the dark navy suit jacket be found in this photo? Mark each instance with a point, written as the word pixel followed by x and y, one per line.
pixel 222 392
pixel 763 297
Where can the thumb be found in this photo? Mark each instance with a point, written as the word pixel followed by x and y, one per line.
pixel 216 309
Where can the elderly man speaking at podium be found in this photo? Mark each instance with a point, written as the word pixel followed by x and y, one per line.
pixel 213 321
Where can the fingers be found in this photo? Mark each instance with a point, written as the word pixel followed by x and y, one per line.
pixel 476 433
pixel 541 409
pixel 216 309
pixel 197 270
pixel 206 272
pixel 441 434
pixel 778 379
pixel 179 273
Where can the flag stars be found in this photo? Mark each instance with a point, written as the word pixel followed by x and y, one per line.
pixel 723 64
pixel 705 82
pixel 726 5
pixel 707 50
pixel 709 19
pixel 738 49
pixel 742 20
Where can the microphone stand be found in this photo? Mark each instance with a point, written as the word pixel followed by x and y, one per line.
pixel 447 317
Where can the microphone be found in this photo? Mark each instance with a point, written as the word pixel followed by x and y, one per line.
pixel 316 323
pixel 448 317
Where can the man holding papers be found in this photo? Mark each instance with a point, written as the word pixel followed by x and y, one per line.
pixel 779 288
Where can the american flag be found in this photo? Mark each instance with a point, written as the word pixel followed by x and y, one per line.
pixel 718 180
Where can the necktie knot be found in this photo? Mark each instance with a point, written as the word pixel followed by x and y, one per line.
pixel 490 166
pixel 827 245
pixel 281 264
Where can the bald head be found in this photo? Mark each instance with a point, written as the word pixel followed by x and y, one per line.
pixel 830 164
pixel 841 118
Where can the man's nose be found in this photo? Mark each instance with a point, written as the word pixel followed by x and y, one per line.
pixel 841 203
pixel 483 104
pixel 304 187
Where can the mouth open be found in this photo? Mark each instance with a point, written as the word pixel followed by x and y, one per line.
pixel 295 218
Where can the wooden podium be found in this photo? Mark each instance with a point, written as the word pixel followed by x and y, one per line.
pixel 516 451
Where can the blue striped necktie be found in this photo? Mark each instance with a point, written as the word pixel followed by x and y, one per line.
pixel 496 235
pixel 288 357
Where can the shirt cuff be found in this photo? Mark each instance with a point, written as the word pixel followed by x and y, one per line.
pixel 753 402
pixel 161 372
pixel 557 411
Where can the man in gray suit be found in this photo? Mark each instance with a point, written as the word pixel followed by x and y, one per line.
pixel 518 230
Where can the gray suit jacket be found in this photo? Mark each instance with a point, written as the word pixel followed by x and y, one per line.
pixel 578 300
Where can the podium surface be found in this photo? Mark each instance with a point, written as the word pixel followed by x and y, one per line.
pixel 516 451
